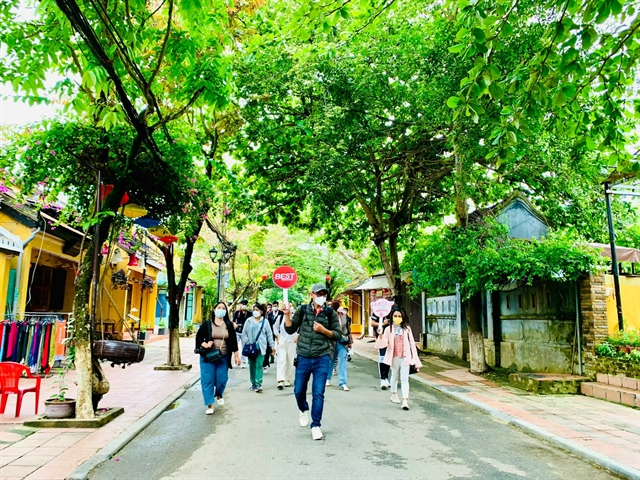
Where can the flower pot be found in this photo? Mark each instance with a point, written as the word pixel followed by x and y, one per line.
pixel 623 348
pixel 144 335
pixel 58 409
pixel 162 331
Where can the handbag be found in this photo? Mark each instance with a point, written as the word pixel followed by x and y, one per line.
pixel 252 350
pixel 210 356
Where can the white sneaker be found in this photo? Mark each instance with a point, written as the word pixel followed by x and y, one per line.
pixel 405 404
pixel 209 411
pixel 220 401
pixel 387 383
pixel 244 365
pixel 287 383
pixel 328 384
pixel 280 385
pixel 344 387
pixel 316 433
pixel 383 385
pixel 304 419
pixel 394 398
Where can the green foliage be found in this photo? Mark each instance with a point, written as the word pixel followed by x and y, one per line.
pixel 484 257
pixel 60 385
pixel 608 349
pixel 625 338
pixel 579 75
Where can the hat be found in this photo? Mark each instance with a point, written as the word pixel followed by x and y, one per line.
pixel 244 302
pixel 318 287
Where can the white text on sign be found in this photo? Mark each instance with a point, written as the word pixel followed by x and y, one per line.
pixel 285 276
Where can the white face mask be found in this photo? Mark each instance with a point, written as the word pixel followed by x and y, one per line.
pixel 257 314
pixel 275 309
pixel 220 312
pixel 320 300
pixel 243 307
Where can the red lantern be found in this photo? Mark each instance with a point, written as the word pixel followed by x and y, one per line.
pixel 133 261
pixel 374 292
pixel 327 277
pixel 264 277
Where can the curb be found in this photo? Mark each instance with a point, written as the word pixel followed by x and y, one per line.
pixel 115 445
pixel 601 460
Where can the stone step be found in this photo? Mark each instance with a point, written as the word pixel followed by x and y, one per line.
pixel 611 393
pixel 548 383
pixel 618 381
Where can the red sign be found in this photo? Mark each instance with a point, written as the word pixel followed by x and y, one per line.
pixel 285 277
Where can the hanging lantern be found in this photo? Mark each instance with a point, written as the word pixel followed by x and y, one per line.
pixel 105 249
pixel 169 239
pixel 105 190
pixel 385 291
pixel 147 222
pixel 134 211
pixel 133 261
pixel 160 231
pixel 124 199
pixel 264 277
pixel 327 277
pixel 244 266
pixel 374 292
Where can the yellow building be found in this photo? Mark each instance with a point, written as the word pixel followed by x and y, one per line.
pixel 630 297
pixel 37 262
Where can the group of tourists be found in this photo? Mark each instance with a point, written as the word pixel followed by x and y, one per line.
pixel 306 342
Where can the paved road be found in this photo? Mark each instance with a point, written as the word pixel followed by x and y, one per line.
pixel 257 436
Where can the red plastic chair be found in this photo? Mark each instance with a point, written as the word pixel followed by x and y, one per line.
pixel 10 373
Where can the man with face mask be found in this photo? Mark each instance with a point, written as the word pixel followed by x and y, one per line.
pixel 318 326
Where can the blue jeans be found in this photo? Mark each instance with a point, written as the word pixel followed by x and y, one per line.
pixel 318 367
pixel 213 379
pixel 341 359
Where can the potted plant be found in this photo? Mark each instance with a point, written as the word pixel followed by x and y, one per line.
pixel 58 406
pixel 143 334
pixel 162 328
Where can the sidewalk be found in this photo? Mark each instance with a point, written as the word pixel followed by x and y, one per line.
pixel 604 433
pixel 53 453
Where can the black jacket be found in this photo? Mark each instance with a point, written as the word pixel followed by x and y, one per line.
pixel 312 343
pixel 232 341
pixel 239 317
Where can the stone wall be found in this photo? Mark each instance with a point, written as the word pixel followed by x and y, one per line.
pixel 593 311
pixel 443 332
pixel 612 366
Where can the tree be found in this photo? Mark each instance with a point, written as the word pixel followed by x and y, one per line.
pixel 136 65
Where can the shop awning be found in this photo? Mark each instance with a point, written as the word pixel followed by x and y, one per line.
pixel 379 282
pixel 623 254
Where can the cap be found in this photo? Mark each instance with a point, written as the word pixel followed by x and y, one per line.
pixel 318 287
pixel 244 302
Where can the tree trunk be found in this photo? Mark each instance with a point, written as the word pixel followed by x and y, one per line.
pixel 391 264
pixel 84 372
pixel 80 332
pixel 477 358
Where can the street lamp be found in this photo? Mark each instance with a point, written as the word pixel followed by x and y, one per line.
pixel 224 258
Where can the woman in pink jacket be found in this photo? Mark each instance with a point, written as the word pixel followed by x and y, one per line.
pixel 401 354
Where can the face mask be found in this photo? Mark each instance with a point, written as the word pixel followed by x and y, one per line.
pixel 257 314
pixel 320 300
pixel 243 307
pixel 220 312
pixel 397 320
pixel 275 309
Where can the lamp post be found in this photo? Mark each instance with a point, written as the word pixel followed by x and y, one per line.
pixel 224 258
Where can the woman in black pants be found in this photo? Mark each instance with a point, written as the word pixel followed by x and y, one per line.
pixel 383 368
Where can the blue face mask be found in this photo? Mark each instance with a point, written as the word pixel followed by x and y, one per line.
pixel 220 312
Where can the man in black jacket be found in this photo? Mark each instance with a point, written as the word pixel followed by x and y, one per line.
pixel 239 317
pixel 318 325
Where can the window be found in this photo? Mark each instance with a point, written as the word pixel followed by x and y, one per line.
pixel 520 302
pixel 533 300
pixel 508 302
pixel 548 299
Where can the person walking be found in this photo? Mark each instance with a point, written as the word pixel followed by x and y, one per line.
pixel 401 355
pixel 216 335
pixel 341 350
pixel 317 325
pixel 257 331
pixel 383 369
pixel 285 348
pixel 240 316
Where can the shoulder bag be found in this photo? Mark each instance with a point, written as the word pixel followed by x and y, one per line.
pixel 208 355
pixel 252 350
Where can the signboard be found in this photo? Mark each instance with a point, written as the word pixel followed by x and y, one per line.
pixel 382 307
pixel 285 277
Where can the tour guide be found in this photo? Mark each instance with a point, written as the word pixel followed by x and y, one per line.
pixel 318 325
